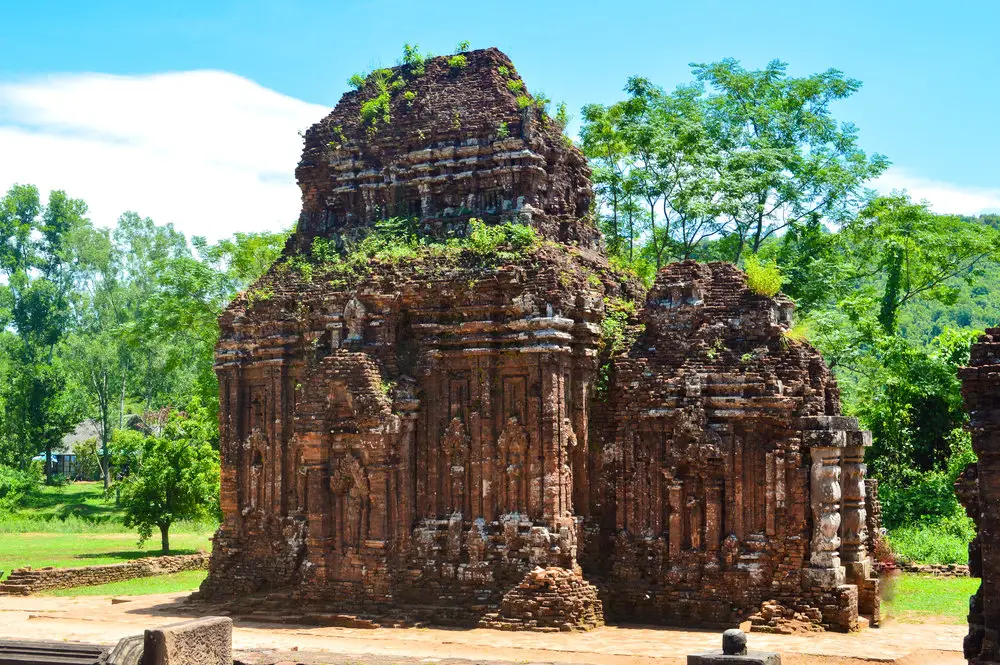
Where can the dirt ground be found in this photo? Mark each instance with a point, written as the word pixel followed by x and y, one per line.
pixel 103 620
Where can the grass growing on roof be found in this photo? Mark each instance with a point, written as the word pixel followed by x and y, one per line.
pixel 398 239
pixel 763 277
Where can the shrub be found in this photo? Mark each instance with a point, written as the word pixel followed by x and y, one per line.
pixel 457 62
pixel 357 81
pixel 910 497
pixel 616 336
pixel 414 58
pixel 14 486
pixel 942 540
pixel 504 71
pixel 375 108
pixel 463 46
pixel 524 102
pixel 763 277
pixel 798 333
pixel 486 240
pixel 562 116
pixel 515 85
pixel 541 101
pixel 503 131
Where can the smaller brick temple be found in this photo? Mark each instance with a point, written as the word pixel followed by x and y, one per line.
pixel 978 489
pixel 452 437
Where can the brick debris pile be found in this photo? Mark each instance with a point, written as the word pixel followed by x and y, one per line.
pixel 548 600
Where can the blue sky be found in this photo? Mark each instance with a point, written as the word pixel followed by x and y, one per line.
pixel 929 71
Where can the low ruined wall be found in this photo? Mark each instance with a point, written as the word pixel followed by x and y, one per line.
pixel 935 569
pixel 25 581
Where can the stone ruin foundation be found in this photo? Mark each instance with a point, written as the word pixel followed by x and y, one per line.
pixel 978 489
pixel 418 440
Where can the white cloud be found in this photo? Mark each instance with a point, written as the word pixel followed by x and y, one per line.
pixel 210 151
pixel 944 197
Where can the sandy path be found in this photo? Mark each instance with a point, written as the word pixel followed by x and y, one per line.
pixel 96 619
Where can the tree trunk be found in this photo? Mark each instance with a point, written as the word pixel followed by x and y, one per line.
pixel 106 459
pixel 48 464
pixel 165 538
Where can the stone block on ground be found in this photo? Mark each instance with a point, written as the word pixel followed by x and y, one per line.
pixel 734 652
pixel 205 641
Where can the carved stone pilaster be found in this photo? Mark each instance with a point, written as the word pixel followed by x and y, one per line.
pixel 825 491
pixel 853 529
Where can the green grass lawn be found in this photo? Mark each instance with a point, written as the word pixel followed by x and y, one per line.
pixel 81 500
pixel 189 580
pixel 914 598
pixel 77 549
pixel 75 525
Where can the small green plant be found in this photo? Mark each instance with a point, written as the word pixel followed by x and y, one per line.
pixel 515 85
pixel 415 59
pixel 594 281
pixel 798 333
pixel 763 277
pixel 463 46
pixel 458 62
pixel 456 120
pixel 504 71
pixel 357 81
pixel 542 102
pixel 747 357
pixel 486 240
pixel 503 131
pixel 616 336
pixel 714 350
pixel 524 102
pixel 381 81
pixel 386 387
pixel 337 136
pixel 375 108
pixel 562 116
pixel 409 96
pixel 260 294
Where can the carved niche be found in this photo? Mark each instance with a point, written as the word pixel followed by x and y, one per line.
pixel 350 487
pixel 455 445
pixel 354 319
pixel 255 482
pixel 513 449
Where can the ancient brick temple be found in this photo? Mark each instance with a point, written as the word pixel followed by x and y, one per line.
pixel 420 437
pixel 979 490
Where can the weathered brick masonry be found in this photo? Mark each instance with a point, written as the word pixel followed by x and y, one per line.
pixel 418 440
pixel 25 581
pixel 979 490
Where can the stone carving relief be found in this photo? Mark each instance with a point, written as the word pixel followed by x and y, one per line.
pixel 513 448
pixel 455 444
pixel 354 319
pixel 350 487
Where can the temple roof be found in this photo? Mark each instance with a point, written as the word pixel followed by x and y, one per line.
pixel 453 142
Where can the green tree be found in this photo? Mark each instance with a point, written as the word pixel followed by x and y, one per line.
pixel 35 303
pixel 905 252
pixel 175 474
pixel 782 156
